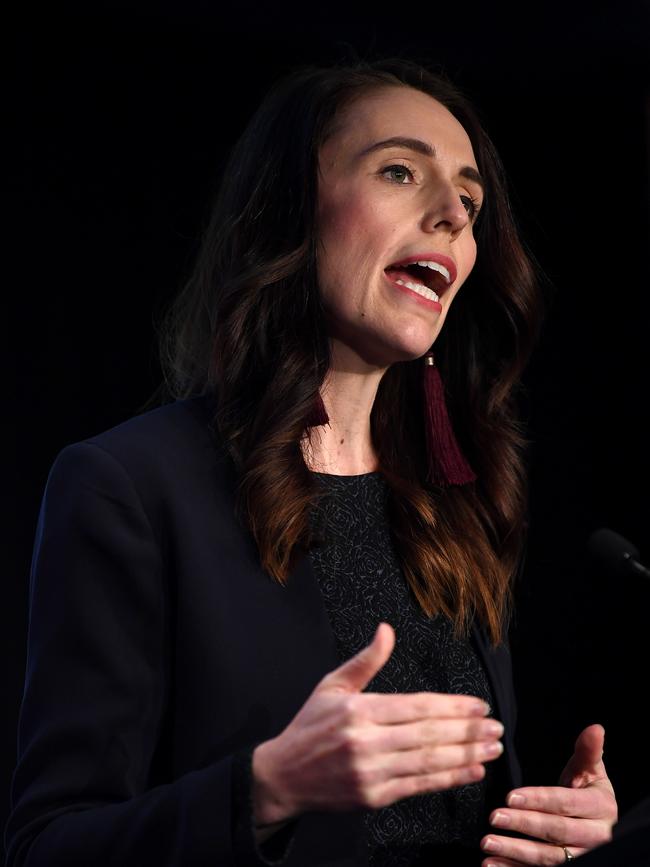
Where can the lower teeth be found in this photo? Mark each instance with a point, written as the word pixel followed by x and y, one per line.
pixel 420 289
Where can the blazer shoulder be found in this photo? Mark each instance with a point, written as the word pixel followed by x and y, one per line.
pixel 176 436
pixel 170 452
pixel 166 432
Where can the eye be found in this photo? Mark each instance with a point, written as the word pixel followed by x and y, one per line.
pixel 473 206
pixel 401 174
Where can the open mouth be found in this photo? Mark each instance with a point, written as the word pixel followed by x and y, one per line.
pixel 429 279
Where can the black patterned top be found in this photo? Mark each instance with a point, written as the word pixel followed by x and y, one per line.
pixel 362 584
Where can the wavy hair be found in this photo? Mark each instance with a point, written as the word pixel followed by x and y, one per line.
pixel 248 327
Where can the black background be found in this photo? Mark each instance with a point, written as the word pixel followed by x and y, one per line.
pixel 120 118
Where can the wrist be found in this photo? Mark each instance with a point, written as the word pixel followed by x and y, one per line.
pixel 270 804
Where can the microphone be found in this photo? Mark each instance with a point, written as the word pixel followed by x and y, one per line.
pixel 616 554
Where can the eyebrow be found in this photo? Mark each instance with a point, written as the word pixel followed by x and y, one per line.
pixel 421 147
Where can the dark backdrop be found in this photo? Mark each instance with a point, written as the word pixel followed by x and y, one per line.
pixel 121 115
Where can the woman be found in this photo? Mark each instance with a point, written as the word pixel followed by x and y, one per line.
pixel 268 620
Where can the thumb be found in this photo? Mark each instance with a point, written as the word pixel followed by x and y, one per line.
pixel 359 670
pixel 586 763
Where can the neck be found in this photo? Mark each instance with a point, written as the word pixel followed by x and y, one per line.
pixel 344 447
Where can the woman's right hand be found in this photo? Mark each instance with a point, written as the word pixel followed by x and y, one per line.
pixel 346 749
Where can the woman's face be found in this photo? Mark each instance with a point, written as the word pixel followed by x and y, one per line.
pixel 398 184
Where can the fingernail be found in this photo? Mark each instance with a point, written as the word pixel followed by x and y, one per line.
pixel 494 728
pixel 493 749
pixel 491 845
pixel 479 708
pixel 515 800
pixel 501 820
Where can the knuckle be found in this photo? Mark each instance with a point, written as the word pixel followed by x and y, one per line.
pixel 425 783
pixel 430 761
pixel 479 752
pixel 419 784
pixel 524 825
pixel 410 786
pixel 352 743
pixel 431 731
pixel 350 709
pixel 453 778
pixel 557 834
pixel 474 730
pixel 465 775
pixel 359 780
pixel 572 802
pixel 419 705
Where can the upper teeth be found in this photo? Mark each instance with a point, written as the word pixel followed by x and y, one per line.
pixel 435 266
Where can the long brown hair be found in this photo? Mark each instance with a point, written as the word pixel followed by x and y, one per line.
pixel 248 327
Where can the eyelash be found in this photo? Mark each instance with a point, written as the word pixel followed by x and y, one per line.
pixel 398 166
pixel 475 206
pixel 474 203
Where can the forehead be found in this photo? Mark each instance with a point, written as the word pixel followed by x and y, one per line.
pixel 397 111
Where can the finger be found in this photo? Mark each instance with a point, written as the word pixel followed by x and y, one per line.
pixel 500 862
pixel 554 829
pixel 355 674
pixel 432 760
pixel 493 861
pixel 393 790
pixel 387 709
pixel 586 763
pixel 408 736
pixel 526 851
pixel 562 801
pixel 590 744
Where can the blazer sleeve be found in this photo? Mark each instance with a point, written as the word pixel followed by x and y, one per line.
pixel 95 690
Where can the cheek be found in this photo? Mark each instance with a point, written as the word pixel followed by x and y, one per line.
pixel 334 219
pixel 345 230
pixel 351 240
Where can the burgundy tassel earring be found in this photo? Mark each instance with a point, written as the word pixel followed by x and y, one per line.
pixel 318 415
pixel 447 465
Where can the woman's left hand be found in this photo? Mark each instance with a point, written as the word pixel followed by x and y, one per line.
pixel 578 814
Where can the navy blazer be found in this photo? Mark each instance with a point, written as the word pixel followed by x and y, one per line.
pixel 158 648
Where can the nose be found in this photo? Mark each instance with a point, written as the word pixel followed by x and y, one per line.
pixel 446 212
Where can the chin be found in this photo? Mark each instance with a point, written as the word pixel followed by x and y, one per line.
pixel 416 348
pixel 410 353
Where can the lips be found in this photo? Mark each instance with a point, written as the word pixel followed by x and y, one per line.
pixel 410 270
